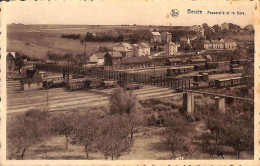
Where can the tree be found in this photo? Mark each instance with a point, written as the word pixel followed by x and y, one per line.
pixel 239 129
pixel 80 58
pixel 113 136
pixel 63 124
pixel 53 57
pixel 85 131
pixel 176 130
pixel 19 62
pixel 68 58
pixel 89 37
pixel 214 122
pixel 26 130
pixel 124 103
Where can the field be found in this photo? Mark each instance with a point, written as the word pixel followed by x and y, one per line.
pixel 36 40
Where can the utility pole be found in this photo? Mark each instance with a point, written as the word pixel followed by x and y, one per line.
pixel 85 53
pixel 47 94
pixel 153 66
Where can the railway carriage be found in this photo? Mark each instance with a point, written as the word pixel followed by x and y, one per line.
pixel 220 83
pixel 174 71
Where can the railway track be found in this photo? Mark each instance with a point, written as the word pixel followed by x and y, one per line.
pixel 59 99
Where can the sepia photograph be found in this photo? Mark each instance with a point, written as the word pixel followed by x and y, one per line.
pixel 129 81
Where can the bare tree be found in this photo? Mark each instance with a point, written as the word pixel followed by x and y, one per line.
pixel 239 132
pixel 114 137
pixel 174 137
pixel 85 131
pixel 27 129
pixel 63 124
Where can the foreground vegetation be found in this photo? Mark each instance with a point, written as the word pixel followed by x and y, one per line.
pixel 122 129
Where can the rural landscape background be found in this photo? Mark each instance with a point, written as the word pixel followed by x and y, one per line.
pixel 146 123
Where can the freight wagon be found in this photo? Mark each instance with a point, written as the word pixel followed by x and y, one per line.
pixel 220 83
pixel 174 71
pixel 53 81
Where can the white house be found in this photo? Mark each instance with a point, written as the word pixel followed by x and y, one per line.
pixel 156 37
pixel 171 48
pixel 97 58
pixel 125 49
pixel 141 49
pixel 216 44
pixel 207 45
pixel 229 44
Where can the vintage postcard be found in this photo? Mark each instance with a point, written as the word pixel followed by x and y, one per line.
pixel 130 83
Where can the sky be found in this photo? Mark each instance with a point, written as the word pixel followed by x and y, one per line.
pixel 128 12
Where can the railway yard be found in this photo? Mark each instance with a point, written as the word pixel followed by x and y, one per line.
pixel 61 99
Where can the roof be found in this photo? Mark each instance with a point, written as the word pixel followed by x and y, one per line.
pixel 100 55
pixel 144 45
pixel 182 67
pixel 167 33
pixel 135 60
pixel 198 60
pixel 206 42
pixel 174 59
pixel 172 44
pixel 228 40
pixel 115 54
pixel 124 44
pixel 11 55
pixel 215 41
pixel 156 33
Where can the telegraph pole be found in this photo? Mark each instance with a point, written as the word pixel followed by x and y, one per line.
pixel 47 94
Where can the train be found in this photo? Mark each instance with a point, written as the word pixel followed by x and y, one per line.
pixel 220 83
pixel 90 83
pixel 53 81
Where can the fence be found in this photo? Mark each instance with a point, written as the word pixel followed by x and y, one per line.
pixel 122 77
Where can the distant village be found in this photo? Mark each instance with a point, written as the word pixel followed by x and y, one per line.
pixel 161 48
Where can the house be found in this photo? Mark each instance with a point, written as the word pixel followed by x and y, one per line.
pixel 97 58
pixel 113 59
pixel 207 45
pixel 229 44
pixel 135 62
pixel 124 48
pixel 158 61
pixel 141 49
pixel 32 80
pixel 156 37
pixel 217 45
pixel 146 48
pixel 166 37
pixel 173 61
pixel 171 48
pixel 10 61
pixel 185 43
